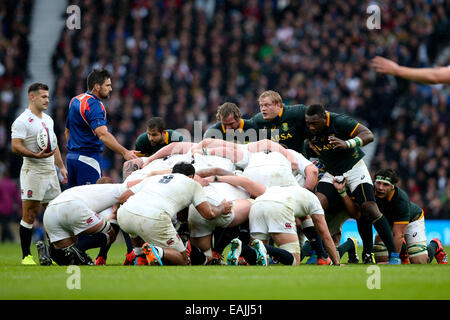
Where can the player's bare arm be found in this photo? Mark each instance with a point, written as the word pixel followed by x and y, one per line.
pixel 267 144
pixel 110 141
pixel 322 229
pixel 233 154
pixel 60 163
pixel 398 232
pixel 422 75
pixel 209 211
pixel 213 172
pixel 311 177
pixel 172 148
pixel 350 205
pixel 360 137
pixel 254 188
pixel 18 148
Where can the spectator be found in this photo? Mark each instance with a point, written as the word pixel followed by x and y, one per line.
pixel 173 57
pixel 10 201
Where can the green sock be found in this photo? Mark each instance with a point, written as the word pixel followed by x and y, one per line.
pixel 345 247
pixel 431 248
pixel 385 233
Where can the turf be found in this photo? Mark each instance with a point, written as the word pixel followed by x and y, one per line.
pixel 117 282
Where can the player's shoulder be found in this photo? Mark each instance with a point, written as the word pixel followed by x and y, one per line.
pixel 299 107
pixel 258 118
pixel 217 125
pixel 248 123
pixel 24 115
pixel 46 117
pixel 400 195
pixel 341 117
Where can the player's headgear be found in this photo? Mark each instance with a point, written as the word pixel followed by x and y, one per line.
pixel 386 175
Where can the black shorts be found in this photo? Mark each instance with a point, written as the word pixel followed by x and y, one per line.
pixel 363 193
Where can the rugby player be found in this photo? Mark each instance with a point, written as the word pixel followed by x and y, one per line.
pixel 38 177
pixel 335 139
pixel 407 221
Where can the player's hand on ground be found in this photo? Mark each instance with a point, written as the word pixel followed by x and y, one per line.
pixel 337 143
pixel 383 65
pixel 44 154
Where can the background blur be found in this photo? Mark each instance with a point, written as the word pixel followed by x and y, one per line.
pixel 180 60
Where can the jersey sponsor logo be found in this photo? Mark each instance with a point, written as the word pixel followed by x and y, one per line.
pixel 90 220
pixel 170 242
pixel 288 225
pixel 30 120
pixel 283 136
pixel 285 126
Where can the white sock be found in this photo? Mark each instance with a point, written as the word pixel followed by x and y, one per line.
pixel 26 225
pixel 138 251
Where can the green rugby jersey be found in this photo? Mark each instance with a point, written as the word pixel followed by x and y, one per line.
pixel 398 209
pixel 287 128
pixel 336 161
pixel 145 147
pixel 243 134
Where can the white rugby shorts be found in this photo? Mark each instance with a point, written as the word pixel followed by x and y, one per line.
pixel 38 186
pixel 268 217
pixel 63 219
pixel 155 228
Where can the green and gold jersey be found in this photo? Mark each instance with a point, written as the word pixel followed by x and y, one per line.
pixel 287 128
pixel 244 134
pixel 336 161
pixel 145 147
pixel 398 209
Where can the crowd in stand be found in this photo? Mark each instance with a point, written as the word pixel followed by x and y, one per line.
pixel 181 59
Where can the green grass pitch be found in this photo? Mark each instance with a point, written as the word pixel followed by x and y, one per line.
pixel 276 282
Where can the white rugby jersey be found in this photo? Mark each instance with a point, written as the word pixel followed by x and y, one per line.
pixel 270 169
pixel 165 163
pixel 299 174
pixel 97 197
pixel 170 192
pixel 219 191
pixel 208 161
pixel 300 200
pixel 27 127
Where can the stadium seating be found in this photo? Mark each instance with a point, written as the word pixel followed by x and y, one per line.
pixel 181 59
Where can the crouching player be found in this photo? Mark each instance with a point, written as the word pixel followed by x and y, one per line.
pixel 407 222
pixel 74 212
pixel 150 207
